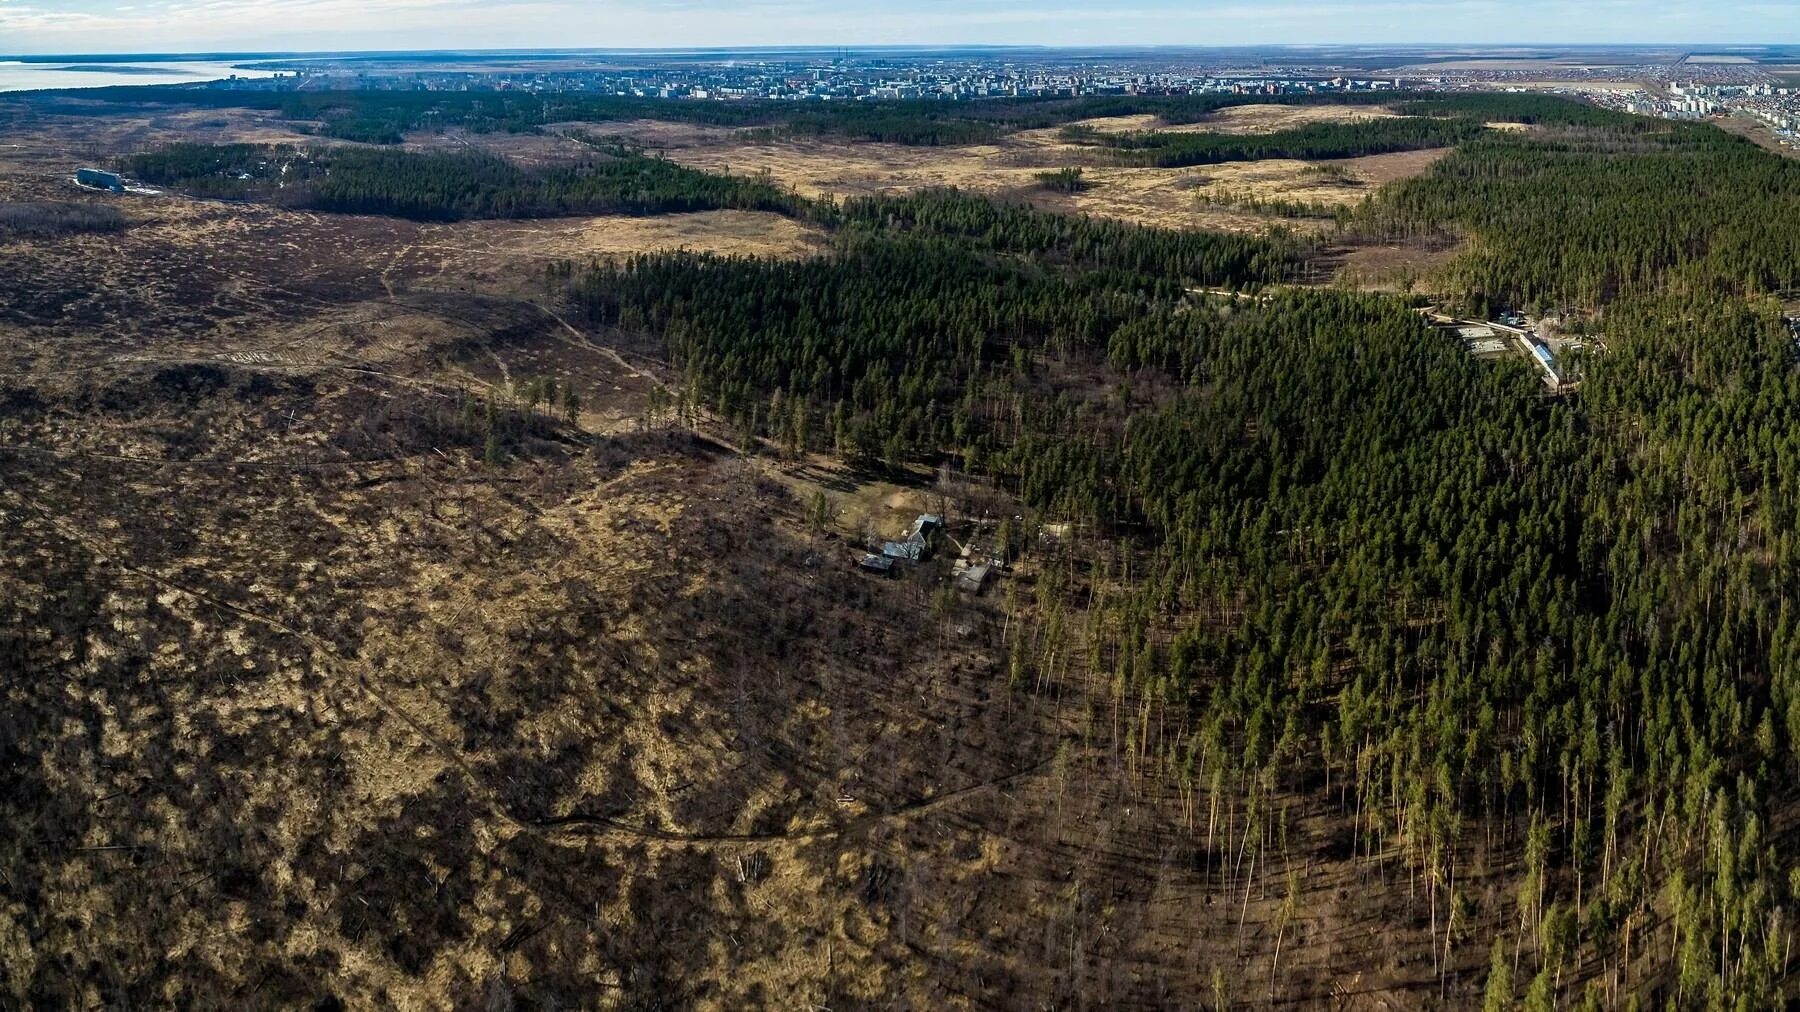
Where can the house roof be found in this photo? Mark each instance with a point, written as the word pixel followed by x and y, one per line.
pixel 973 578
pixel 926 523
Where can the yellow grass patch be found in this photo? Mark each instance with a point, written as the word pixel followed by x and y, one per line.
pixel 1152 196
pixel 748 233
pixel 1239 119
pixel 1377 170
pixel 1257 119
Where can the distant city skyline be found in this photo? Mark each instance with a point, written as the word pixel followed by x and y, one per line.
pixel 32 27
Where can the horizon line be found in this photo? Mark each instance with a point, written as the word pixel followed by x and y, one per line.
pixel 242 54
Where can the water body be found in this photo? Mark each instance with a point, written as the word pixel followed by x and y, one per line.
pixel 17 76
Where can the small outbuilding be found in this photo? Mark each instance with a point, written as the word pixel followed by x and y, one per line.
pixel 911 550
pixel 878 564
pixel 973 579
pixel 100 179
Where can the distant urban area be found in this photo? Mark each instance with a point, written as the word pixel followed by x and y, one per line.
pixel 1666 83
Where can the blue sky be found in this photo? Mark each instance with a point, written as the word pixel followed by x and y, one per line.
pixel 98 26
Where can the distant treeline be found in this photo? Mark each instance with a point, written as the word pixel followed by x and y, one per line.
pixel 1435 120
pixel 1167 149
pixel 1514 107
pixel 451 186
pixel 384 117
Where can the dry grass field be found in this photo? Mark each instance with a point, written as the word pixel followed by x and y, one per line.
pixel 1394 268
pixel 1166 198
pixel 1288 179
pixel 817 167
pixel 1522 63
pixel 528 149
pixel 87 131
pixel 358 717
pixel 1757 132
pixel 495 250
pixel 1246 119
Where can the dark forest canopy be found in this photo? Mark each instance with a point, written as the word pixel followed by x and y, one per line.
pixel 1584 213
pixel 384 116
pixel 1168 150
pixel 451 186
pixel 1120 249
pixel 1516 107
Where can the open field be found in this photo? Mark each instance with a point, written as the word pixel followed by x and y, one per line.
pixel 1298 180
pixel 819 167
pixel 1394 268
pixel 1176 198
pixel 1243 119
pixel 532 150
pixel 1506 63
pixel 1163 197
pixel 499 247
pixel 1256 119
pixel 86 130
pixel 1759 132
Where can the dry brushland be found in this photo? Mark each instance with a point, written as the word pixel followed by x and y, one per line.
pixel 1011 167
pixel 319 704
pixel 471 602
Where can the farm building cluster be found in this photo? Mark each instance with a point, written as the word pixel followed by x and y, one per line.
pixel 914 547
pixel 970 574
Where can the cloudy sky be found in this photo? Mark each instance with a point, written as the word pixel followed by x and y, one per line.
pixel 98 26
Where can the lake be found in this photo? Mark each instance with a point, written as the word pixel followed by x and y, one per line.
pixel 16 76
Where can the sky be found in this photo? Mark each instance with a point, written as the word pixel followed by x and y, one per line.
pixel 193 26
